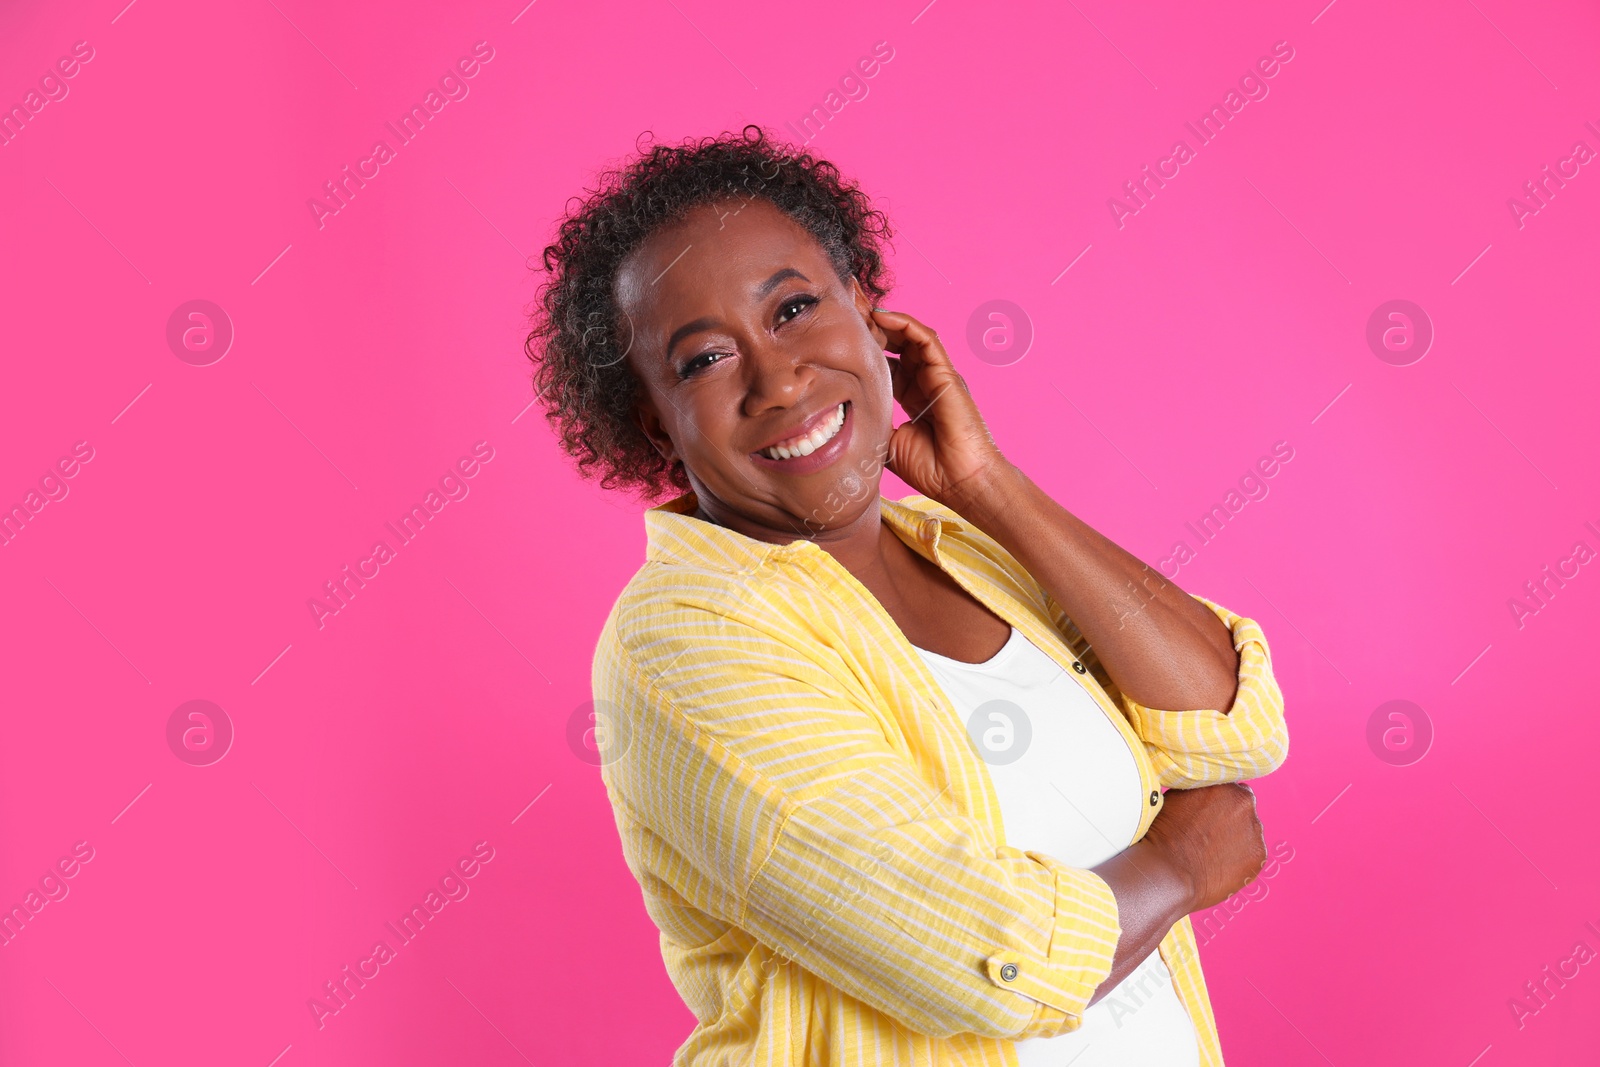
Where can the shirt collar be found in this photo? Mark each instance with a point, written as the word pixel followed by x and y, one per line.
pixel 674 535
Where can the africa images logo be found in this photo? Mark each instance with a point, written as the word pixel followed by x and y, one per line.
pixel 1252 87
pixel 453 87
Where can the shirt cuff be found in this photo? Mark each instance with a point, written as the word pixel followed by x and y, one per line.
pixel 1083 944
pixel 1252 722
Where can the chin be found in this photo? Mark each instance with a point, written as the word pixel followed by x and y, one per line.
pixel 853 492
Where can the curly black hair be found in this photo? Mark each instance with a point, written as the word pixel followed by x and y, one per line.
pixel 580 374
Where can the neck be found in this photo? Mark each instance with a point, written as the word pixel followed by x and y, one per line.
pixel 863 546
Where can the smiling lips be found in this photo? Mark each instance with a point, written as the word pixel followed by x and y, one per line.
pixel 805 444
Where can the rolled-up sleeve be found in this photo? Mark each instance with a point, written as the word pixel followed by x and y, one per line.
pixel 781 803
pixel 1207 746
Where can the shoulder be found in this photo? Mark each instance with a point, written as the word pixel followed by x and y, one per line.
pixel 678 612
pixel 661 591
pixel 661 599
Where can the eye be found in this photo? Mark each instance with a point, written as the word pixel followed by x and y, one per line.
pixel 700 363
pixel 794 306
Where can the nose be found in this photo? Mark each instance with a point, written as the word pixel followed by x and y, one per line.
pixel 776 375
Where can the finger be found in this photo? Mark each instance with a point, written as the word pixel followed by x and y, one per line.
pixel 925 367
pixel 908 336
pixel 933 394
pixel 903 385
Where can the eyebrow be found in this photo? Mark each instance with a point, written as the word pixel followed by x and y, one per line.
pixel 706 322
pixel 771 283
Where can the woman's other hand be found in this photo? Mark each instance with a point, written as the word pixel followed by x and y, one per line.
pixel 1213 836
pixel 1204 847
pixel 944 450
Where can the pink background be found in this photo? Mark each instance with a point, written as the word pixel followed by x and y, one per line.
pixel 1228 314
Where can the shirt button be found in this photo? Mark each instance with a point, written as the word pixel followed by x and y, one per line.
pixel 1155 797
pixel 1008 973
pixel 1080 668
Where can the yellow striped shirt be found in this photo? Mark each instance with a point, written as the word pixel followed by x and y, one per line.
pixel 816 837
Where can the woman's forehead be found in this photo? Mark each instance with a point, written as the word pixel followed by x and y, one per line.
pixel 716 251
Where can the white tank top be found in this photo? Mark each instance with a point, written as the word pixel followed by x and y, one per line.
pixel 1069 788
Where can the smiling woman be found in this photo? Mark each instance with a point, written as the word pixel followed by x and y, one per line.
pixel 841 868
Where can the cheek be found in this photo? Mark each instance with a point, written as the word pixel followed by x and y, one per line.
pixel 860 354
pixel 883 394
pixel 878 383
pixel 703 424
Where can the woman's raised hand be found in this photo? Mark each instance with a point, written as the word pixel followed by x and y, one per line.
pixel 944 450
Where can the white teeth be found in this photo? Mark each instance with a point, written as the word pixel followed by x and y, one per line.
pixel 811 442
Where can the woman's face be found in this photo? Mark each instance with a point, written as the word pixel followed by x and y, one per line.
pixel 746 340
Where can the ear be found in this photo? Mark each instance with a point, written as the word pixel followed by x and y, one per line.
pixel 649 422
pixel 863 305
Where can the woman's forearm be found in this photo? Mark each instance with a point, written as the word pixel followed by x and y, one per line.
pixel 1163 648
pixel 1152 894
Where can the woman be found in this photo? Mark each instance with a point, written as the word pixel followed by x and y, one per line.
pixel 888 772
